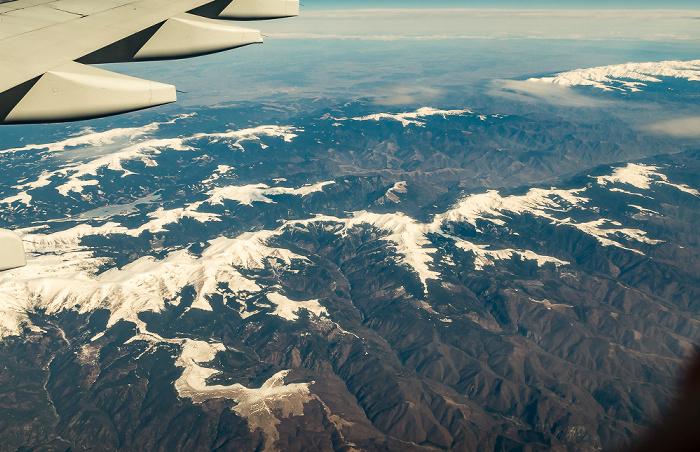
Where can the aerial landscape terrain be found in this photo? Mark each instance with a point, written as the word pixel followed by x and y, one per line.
pixel 384 229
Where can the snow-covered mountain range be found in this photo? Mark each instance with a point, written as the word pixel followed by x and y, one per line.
pixel 263 274
pixel 628 77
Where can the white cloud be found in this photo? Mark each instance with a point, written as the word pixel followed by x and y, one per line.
pixel 376 37
pixel 450 24
pixel 403 95
pixel 525 91
pixel 688 127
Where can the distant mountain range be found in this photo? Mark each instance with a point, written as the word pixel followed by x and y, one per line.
pixel 628 77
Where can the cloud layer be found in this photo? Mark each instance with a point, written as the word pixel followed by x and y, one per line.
pixel 688 127
pixel 444 24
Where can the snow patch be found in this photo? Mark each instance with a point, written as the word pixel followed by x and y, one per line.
pixel 288 309
pixel 143 152
pixel 641 176
pixel 96 139
pixel 70 238
pixel 248 194
pixel 411 118
pixel 645 210
pixel 485 256
pixel 549 305
pixel 415 248
pixel 409 237
pixel 262 407
pixel 399 187
pixel 22 197
pixel 619 190
pixel 244 194
pixel 407 234
pixel 235 138
pixel 492 207
pixel 249 251
pixel 161 217
pixel 596 229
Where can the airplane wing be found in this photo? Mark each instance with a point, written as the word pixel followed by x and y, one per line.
pixel 47 46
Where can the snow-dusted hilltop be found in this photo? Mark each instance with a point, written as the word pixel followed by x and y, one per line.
pixel 63 275
pixel 412 117
pixel 626 77
pixel 94 152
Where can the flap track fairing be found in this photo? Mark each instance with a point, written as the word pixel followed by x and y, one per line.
pixel 74 92
pixel 11 250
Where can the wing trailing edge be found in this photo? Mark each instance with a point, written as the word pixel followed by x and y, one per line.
pixel 182 36
pixel 249 9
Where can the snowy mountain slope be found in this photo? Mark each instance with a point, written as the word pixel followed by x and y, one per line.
pixel 628 77
pixel 259 406
pixel 58 279
pixel 106 138
pixel 259 192
pixel 145 283
pixel 642 176
pixel 128 145
pixel 96 170
pixel 412 118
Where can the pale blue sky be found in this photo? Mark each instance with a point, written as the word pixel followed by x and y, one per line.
pixel 341 54
pixel 515 4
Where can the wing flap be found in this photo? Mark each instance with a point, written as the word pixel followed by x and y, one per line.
pixel 248 9
pixel 260 9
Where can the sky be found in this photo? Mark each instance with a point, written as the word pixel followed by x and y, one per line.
pixel 388 24
pixel 510 4
pixel 433 52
